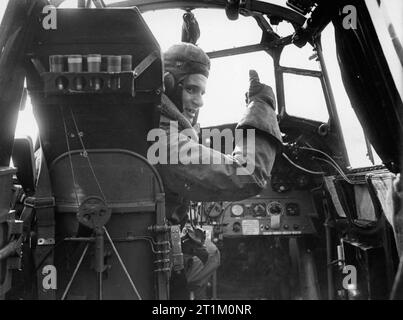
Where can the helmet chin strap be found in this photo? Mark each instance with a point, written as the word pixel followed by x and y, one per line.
pixel 194 122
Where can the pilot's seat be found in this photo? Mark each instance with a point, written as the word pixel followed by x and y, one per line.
pixel 99 203
pixel 121 191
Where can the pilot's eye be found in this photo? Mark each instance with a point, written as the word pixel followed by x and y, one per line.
pixel 191 90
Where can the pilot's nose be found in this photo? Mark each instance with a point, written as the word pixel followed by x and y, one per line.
pixel 198 101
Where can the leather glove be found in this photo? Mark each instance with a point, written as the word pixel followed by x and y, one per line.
pixel 260 113
pixel 259 91
pixel 193 244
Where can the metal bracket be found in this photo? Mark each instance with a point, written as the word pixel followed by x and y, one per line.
pixel 177 255
pixel 143 65
pixel 15 227
pixel 39 203
pixel 45 242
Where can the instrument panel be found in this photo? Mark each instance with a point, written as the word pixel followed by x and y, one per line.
pixel 268 214
pixel 285 207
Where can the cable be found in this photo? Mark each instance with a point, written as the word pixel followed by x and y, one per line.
pixel 338 170
pixel 301 168
pixel 327 156
pixel 75 271
pixel 122 264
pixel 332 162
pixel 87 156
pixel 148 239
pixel 70 159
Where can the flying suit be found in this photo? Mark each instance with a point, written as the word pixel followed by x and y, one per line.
pixel 238 176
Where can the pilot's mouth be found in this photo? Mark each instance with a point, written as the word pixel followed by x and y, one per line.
pixel 190 112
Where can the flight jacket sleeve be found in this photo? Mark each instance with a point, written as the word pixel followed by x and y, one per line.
pixel 204 174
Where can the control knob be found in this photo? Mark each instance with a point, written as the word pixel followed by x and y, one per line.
pixel 236 227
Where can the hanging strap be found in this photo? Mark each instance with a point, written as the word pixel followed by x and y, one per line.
pixel 43 205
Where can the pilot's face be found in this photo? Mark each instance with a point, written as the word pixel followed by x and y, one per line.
pixel 194 87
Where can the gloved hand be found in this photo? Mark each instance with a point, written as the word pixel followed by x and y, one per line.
pixel 259 91
pixel 193 244
pixel 261 113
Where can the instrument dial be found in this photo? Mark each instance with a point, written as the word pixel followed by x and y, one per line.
pixel 237 210
pixel 259 210
pixel 275 208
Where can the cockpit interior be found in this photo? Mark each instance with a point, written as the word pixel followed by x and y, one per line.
pixel 81 198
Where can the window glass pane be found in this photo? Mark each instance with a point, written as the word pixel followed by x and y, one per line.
pixel 292 56
pixel 26 124
pixel 393 12
pixel 224 101
pixel 68 4
pixel 3 6
pixel 303 58
pixel 352 131
pixel 166 25
pixel 387 19
pixel 216 30
pixel 229 80
pixel 283 29
pixel 304 97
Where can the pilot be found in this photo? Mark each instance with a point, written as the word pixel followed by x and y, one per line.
pixel 240 175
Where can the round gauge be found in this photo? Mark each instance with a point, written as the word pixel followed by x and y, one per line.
pixel 259 210
pixel 237 210
pixel 275 208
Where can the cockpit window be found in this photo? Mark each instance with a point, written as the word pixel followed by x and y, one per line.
pixel 392 10
pixel 3 5
pixel 355 143
pixel 217 32
pixel 304 97
pixel 224 101
pixel 387 19
pixel 303 58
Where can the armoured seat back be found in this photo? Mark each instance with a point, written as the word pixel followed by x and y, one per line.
pixel 133 191
pixel 94 144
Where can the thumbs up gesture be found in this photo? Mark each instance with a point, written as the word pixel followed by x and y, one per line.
pixel 259 91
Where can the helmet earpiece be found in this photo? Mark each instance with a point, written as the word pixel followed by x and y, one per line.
pixel 173 90
pixel 169 83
